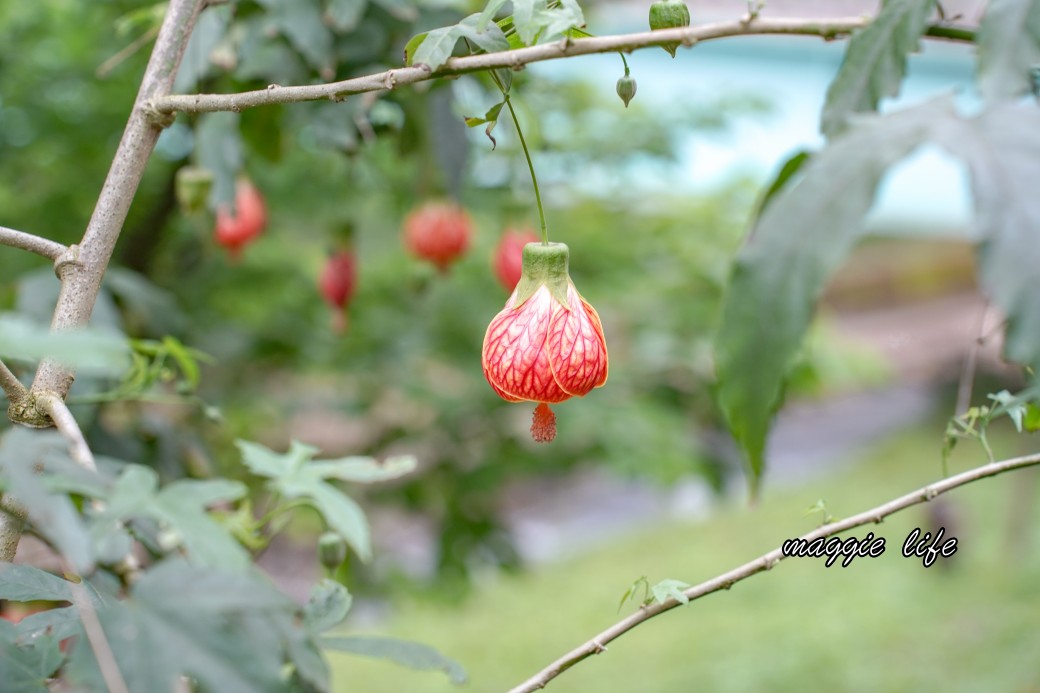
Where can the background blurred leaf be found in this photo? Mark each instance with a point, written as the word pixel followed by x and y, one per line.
pixel 410 654
pixel 52 514
pixel 1002 150
pixel 327 607
pixel 1009 45
pixel 875 61
pixel 799 240
pixel 26 667
pixel 89 350
pixel 184 620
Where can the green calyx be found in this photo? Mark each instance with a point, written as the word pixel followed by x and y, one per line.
pixel 669 14
pixel 544 263
pixel 626 88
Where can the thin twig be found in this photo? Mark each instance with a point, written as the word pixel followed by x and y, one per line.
pixel 766 562
pixel 51 250
pixel 137 44
pixel 54 407
pixel 11 385
pixel 99 644
pixel 517 58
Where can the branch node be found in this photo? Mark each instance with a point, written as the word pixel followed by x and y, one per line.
pixel 156 118
pixel 598 647
pixel 24 411
pixel 390 81
pixel 69 258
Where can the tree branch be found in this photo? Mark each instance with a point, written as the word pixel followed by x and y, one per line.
pixel 11 386
pixel 51 250
pixel 81 274
pixel 766 562
pixel 517 58
pixel 54 407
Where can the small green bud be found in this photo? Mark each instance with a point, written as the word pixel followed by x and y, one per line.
pixel 669 14
pixel 192 187
pixel 332 550
pixel 626 88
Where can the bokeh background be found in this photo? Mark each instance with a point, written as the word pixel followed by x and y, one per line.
pixel 500 552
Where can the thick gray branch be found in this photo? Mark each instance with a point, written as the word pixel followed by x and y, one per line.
pixel 34 244
pixel 517 58
pixel 767 561
pixel 81 275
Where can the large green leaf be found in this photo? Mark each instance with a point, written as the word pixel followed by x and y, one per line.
pixel 296 475
pixel 181 509
pixel 1009 45
pixel 225 630
pixel 1002 150
pixel 875 61
pixel 413 655
pixel 25 667
pixel 24 583
pixel 22 452
pixel 800 239
pixel 89 350
pixel 438 44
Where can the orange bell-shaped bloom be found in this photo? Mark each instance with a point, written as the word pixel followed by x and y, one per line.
pixel 547 344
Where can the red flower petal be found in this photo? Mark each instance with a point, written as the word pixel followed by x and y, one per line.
pixel 576 347
pixel 515 358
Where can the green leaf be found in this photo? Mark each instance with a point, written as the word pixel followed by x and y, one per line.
pixel 799 240
pixel 1009 45
pixel 218 147
pixel 1032 418
pixel 23 583
pixel 404 10
pixel 489 38
pixel 670 589
pixel 411 46
pixel 491 118
pixel 789 169
pixel 225 630
pixel 25 667
pixel 328 605
pixel 875 62
pixel 210 28
pixel 60 623
pixel 1002 150
pixel 410 654
pixel 296 475
pixel 53 515
pixel 436 47
pixel 88 350
pixel 344 15
pixel 489 12
pixel 180 508
pixel 300 22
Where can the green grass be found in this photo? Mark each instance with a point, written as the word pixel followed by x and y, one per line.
pixel 884 624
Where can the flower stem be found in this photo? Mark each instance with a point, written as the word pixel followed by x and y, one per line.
pixel 530 166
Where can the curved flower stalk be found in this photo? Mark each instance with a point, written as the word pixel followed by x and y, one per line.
pixel 547 344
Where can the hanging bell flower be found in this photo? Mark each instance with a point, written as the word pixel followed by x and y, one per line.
pixel 547 344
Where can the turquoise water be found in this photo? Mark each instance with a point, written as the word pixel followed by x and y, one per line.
pixel 792 73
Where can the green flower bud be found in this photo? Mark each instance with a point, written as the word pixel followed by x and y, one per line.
pixel 626 88
pixel 332 550
pixel 192 187
pixel 669 14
